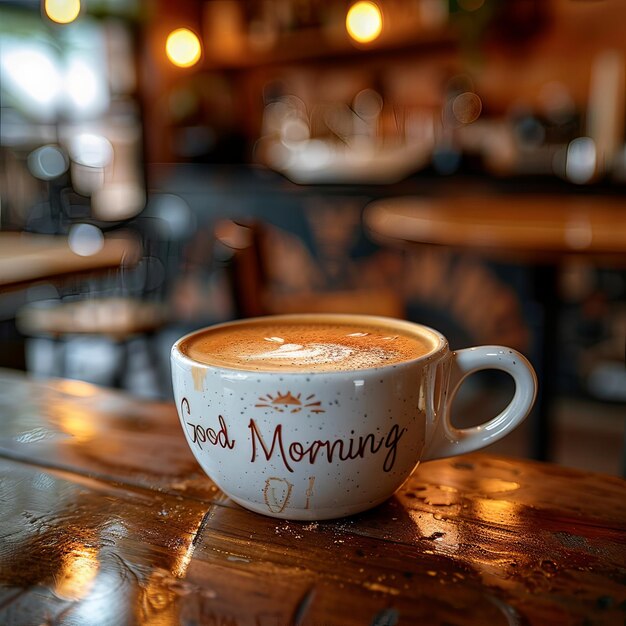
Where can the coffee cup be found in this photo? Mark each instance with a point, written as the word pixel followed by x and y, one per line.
pixel 312 417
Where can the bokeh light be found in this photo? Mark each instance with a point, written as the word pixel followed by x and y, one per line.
pixel 85 239
pixel 368 104
pixel 62 11
pixel 172 216
pixel 91 150
pixel 294 132
pixel 581 160
pixel 117 200
pixel 183 47
pixel 90 155
pixel 466 107
pixel 85 89
pixel 33 74
pixel 47 162
pixel 364 21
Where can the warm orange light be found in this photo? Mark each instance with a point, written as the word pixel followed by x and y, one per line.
pixel 62 11
pixel 75 422
pixel 364 21
pixel 78 572
pixel 183 47
pixel 76 388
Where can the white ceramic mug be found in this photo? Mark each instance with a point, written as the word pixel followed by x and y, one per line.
pixel 350 438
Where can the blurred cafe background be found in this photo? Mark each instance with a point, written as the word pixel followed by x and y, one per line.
pixel 168 165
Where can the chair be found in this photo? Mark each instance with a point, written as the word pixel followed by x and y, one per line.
pixel 253 292
pixel 123 309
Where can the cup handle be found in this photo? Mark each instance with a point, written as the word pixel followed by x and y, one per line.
pixel 447 440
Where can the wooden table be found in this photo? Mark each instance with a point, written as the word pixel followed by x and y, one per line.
pixel 523 227
pixel 537 230
pixel 27 258
pixel 106 520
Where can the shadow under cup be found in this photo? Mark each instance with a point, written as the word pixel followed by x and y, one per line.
pixel 321 444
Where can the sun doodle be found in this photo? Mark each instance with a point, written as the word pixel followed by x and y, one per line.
pixel 288 403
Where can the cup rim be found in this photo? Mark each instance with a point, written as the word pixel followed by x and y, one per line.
pixel 441 343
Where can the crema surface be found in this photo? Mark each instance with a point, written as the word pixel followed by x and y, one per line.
pixel 305 346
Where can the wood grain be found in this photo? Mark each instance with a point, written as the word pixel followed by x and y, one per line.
pixel 106 519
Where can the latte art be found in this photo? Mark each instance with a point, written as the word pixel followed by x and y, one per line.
pixel 323 354
pixel 311 353
pixel 303 346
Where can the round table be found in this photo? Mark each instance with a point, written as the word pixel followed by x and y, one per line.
pixel 521 227
pixel 537 230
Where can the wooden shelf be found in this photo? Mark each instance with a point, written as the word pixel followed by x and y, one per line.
pixel 311 45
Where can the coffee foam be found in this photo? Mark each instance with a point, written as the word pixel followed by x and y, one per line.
pixel 304 346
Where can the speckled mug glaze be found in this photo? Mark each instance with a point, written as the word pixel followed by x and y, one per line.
pixel 343 441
